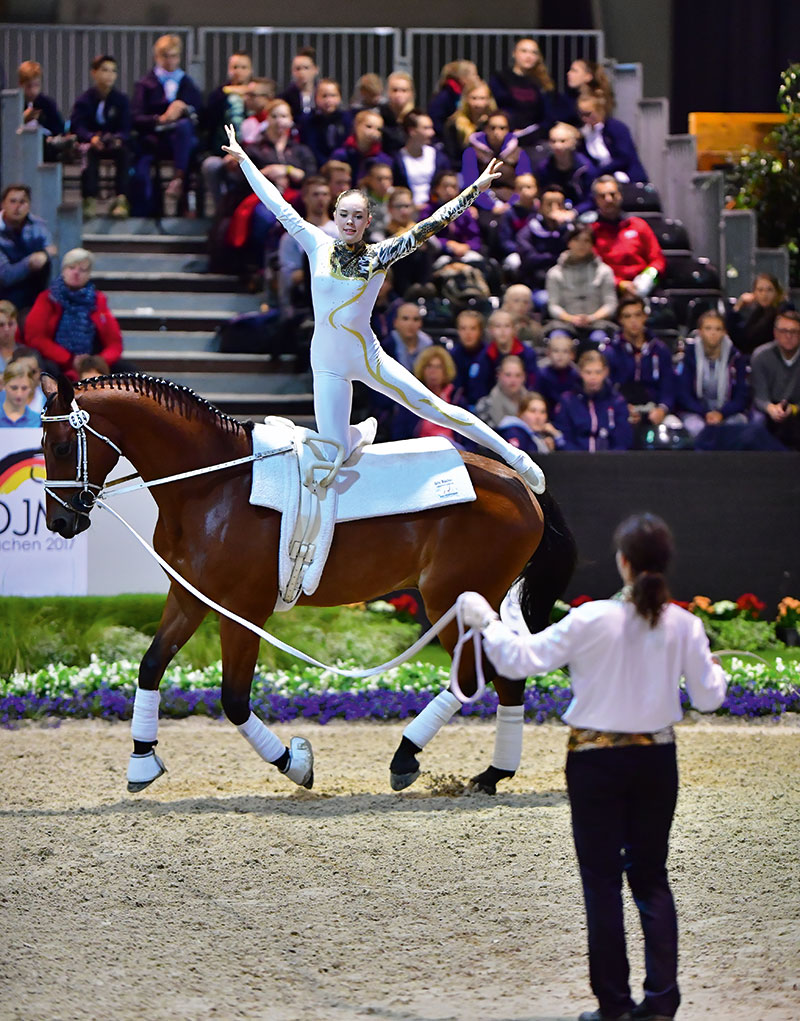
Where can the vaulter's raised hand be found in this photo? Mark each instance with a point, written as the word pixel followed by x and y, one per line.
pixel 233 148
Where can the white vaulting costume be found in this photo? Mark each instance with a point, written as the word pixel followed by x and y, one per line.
pixel 345 280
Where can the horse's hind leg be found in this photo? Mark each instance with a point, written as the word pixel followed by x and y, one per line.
pixel 180 619
pixel 239 656
pixel 507 736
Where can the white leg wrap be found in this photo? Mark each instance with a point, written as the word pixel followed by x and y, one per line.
pixel 508 737
pixel 268 746
pixel 144 725
pixel 432 718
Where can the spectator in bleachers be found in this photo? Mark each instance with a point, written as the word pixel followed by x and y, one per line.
pixel 593 417
pixel 540 242
pixel 299 93
pixel 435 368
pixel 452 79
pixel 626 243
pixel 26 248
pixel 460 239
pixel 558 374
pixel 776 380
pixel 407 340
pixel 525 90
pixel 167 107
pixel 338 175
pixel 518 213
pixel 518 302
pixel 530 429
pixel 258 98
pixel 277 147
pixel 101 122
pixel 586 78
pixel 31 360
pixel 641 367
pixel 497 141
pixel 502 342
pixel 326 127
pixel 466 353
pixel 416 268
pixel 378 185
pixel 607 142
pixel 15 411
pixel 368 94
pixel 71 319
pixel 9 332
pixel 400 99
pixel 581 294
pixel 475 105
pixel 227 104
pixel 363 146
pixel 751 320
pixel 504 398
pixel 711 380
pixel 418 162
pixel 40 112
pixel 93 366
pixel 294 287
pixel 567 168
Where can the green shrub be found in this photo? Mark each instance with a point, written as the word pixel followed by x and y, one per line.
pixel 742 634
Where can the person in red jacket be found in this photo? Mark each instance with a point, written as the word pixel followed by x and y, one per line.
pixel 71 319
pixel 625 243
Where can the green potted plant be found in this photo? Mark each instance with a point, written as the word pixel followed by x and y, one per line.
pixel 787 621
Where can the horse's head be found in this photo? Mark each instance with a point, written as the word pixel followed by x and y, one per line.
pixel 77 458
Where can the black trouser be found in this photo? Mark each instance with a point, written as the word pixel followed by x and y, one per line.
pixel 90 175
pixel 623 801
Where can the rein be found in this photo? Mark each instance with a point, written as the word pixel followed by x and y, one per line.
pixel 84 500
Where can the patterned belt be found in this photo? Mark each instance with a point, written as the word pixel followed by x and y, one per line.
pixel 583 740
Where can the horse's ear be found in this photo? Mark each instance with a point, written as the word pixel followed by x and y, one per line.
pixel 66 391
pixel 49 384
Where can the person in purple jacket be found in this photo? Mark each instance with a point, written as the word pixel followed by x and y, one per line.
pixel 641 366
pixel 558 374
pixel 593 417
pixel 167 106
pixel 567 168
pixel 540 242
pixel 460 240
pixel 711 380
pixel 470 381
pixel 519 212
pixel 607 142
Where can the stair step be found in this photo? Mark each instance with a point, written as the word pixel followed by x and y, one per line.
pixel 169 341
pixel 245 385
pixel 140 226
pixel 165 321
pixel 152 302
pixel 166 282
pixel 287 405
pixel 163 362
pixel 118 261
pixel 145 244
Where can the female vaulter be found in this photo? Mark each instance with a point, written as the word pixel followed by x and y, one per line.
pixel 346 275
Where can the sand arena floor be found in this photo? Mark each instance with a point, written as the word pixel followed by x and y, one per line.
pixel 223 892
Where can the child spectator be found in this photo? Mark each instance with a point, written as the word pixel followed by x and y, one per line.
pixel 258 99
pixel 338 175
pixel 15 412
pixel 326 127
pixel 593 417
pixel 31 361
pixel 101 121
pixel 607 142
pixel 558 375
pixel 40 112
pixel 626 243
pixel 540 242
pixel 581 294
pixel 502 342
pixel 525 90
pixel 641 366
pixel 378 185
pixel 363 146
pixel 586 78
pixel 504 397
pixel 418 162
pixel 299 93
pixel 567 168
pixel 407 340
pixel 496 141
pixel 467 350
pixel 400 98
pixel 227 104
pixel 531 430
pixel 416 268
pixel 518 302
pixel 460 239
pixel 436 369
pixel 516 216
pixel 474 107
pixel 452 78
pixel 368 94
pixel 712 378
pixel 93 366
pixel 277 149
pixel 9 332
pixel 751 320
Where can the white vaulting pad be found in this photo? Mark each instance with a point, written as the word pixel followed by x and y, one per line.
pixel 382 479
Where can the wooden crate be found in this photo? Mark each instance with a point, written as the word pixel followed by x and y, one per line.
pixel 722 136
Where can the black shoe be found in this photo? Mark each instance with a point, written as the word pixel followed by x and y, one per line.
pixel 641 1012
pixel 598 1015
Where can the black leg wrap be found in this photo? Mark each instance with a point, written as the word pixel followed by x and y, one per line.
pixel 143 747
pixel 486 782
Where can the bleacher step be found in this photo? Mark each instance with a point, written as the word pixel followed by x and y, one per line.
pixel 144 244
pixel 169 341
pixel 166 362
pixel 117 261
pixel 137 226
pixel 245 385
pixel 166 282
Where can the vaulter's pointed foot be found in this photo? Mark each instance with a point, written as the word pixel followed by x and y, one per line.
pixel 143 770
pixel 399 781
pixel 532 475
pixel 301 763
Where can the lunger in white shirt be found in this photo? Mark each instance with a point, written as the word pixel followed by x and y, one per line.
pixel 626 658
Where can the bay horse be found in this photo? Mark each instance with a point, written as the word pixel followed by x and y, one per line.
pixel 228 549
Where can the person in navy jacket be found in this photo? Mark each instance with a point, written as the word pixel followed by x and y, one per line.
pixel 470 381
pixel 101 121
pixel 641 366
pixel 712 378
pixel 568 169
pixel 594 417
pixel 502 342
pixel 167 106
pixel 559 374
pixel 607 142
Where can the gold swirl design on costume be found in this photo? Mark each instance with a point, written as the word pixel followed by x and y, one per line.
pixel 450 418
pixel 347 265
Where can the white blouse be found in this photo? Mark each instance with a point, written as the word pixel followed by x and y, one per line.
pixel 624 674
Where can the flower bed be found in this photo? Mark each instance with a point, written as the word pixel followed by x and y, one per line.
pixel 105 690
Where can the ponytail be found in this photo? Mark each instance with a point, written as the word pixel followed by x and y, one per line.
pixel 646 543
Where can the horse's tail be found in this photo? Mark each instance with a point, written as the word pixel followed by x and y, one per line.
pixel 546 575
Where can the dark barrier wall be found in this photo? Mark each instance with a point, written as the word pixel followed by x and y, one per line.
pixel 735 517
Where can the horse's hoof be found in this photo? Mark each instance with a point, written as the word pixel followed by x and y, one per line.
pixel 143 770
pixel 301 763
pixel 481 786
pixel 399 781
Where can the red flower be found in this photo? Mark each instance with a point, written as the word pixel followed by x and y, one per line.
pixel 580 600
pixel 750 605
pixel 405 604
pixel 681 603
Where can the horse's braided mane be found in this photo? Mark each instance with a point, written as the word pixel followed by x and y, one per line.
pixel 172 395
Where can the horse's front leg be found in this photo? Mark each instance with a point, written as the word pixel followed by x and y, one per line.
pixel 239 657
pixel 507 736
pixel 180 619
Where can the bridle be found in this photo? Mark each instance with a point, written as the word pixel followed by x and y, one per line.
pixel 83 501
